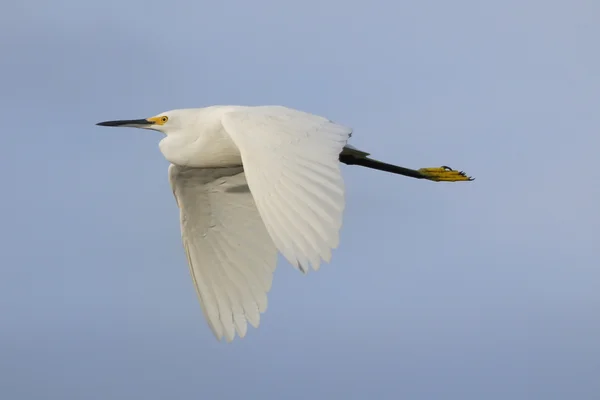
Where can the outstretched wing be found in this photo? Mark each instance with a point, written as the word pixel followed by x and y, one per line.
pixel 230 254
pixel 291 163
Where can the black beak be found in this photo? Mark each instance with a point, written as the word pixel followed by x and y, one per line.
pixel 126 122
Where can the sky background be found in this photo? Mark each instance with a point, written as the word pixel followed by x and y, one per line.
pixel 482 290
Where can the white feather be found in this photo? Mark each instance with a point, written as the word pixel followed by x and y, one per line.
pixel 250 181
pixel 290 159
pixel 230 254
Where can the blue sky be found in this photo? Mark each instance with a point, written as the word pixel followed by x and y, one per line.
pixel 486 290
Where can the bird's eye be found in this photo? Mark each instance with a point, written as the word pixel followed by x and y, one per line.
pixel 164 119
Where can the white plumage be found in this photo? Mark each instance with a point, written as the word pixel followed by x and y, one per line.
pixel 251 181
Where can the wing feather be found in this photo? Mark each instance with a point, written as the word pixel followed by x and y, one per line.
pixel 291 163
pixel 230 253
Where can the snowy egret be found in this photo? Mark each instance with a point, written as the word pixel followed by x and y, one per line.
pixel 251 181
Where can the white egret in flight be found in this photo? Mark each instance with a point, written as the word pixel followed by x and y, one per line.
pixel 251 181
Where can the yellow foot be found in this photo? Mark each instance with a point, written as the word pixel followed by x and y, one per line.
pixel 444 174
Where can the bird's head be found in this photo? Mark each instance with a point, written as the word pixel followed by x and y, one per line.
pixel 166 122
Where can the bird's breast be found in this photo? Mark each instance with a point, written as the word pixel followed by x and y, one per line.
pixel 211 148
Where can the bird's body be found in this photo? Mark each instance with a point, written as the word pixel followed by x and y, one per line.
pixel 252 181
pixel 203 142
